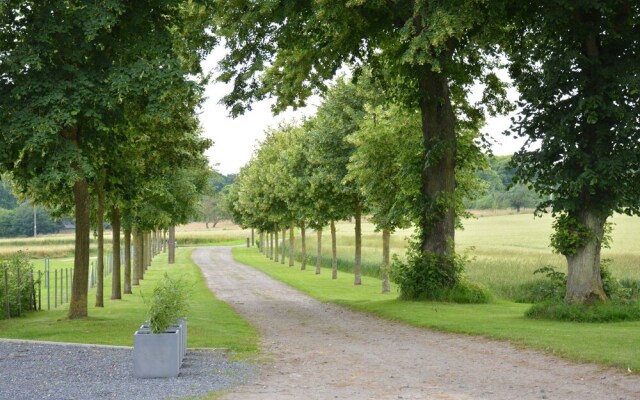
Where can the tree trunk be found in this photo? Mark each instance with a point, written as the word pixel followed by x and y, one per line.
pixel 584 282
pixel 260 241
pixel 127 261
pixel 292 243
pixel 100 256
pixel 357 266
pixel 172 244
pixel 116 291
pixel 253 236
pixel 319 253
pixel 164 240
pixel 270 245
pixel 334 252
pixel 277 248
pixel 438 177
pixel 136 256
pixel 303 243
pixel 284 241
pixel 141 256
pixel 80 282
pixel 149 248
pixel 386 238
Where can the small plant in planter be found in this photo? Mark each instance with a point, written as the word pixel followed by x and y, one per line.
pixel 160 345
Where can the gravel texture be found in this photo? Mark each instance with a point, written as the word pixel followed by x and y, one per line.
pixel 322 351
pixel 44 370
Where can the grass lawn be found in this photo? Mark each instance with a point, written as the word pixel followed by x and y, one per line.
pixel 212 323
pixel 614 344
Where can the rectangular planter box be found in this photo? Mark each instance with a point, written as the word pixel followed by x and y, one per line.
pixel 157 355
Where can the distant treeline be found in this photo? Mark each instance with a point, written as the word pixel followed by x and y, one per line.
pixel 500 191
pixel 16 219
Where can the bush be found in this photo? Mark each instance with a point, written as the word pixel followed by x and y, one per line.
pixel 168 304
pixel 434 277
pixel 21 286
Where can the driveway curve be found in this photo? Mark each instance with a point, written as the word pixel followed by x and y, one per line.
pixel 316 350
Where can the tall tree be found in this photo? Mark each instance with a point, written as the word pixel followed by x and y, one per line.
pixel 576 67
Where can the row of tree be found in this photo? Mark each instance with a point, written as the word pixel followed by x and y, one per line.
pixel 359 154
pixel 573 63
pixel 98 120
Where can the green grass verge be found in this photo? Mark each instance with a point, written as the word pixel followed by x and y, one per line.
pixel 212 323
pixel 613 344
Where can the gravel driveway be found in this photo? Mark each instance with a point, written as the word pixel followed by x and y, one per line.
pixel 322 351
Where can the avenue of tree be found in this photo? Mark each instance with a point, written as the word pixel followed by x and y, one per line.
pixel 574 65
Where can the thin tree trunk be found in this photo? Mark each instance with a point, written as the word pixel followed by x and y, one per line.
pixel 584 280
pixel 292 249
pixel 164 241
pixel 334 252
pixel 303 242
pixel 253 235
pixel 270 246
pixel 141 257
pixel 116 292
pixel 172 244
pixel 283 245
pixel 127 261
pixel 277 248
pixel 149 248
pixel 438 177
pixel 136 256
pixel 384 273
pixel 80 282
pixel 319 254
pixel 357 266
pixel 100 256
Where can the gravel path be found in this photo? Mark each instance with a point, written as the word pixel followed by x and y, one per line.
pixel 44 370
pixel 322 351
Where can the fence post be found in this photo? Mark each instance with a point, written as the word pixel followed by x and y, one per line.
pixel 61 287
pixel 55 288
pixel 19 290
pixel 47 273
pixel 248 242
pixel 39 290
pixel 66 277
pixel 6 294
pixel 32 294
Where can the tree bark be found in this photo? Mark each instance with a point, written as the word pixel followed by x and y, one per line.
pixel 80 282
pixel 357 266
pixel 584 281
pixel 386 239
pixel 141 255
pixel 438 177
pixel 100 255
pixel 136 257
pixel 127 261
pixel 303 243
pixel 292 243
pixel 172 244
pixel 116 290
pixel 253 236
pixel 277 248
pixel 270 245
pixel 319 253
pixel 334 252
pixel 149 247
pixel 283 245
pixel 261 241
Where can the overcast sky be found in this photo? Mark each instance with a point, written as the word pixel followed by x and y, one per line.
pixel 235 139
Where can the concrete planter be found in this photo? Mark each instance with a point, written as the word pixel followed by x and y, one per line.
pixel 157 355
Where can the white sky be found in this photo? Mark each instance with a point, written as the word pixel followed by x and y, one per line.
pixel 235 139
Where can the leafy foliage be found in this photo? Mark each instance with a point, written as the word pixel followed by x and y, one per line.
pixel 21 287
pixel 169 302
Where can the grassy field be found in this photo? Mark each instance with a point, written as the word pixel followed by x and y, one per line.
pixel 503 250
pixel 62 245
pixel 613 344
pixel 212 323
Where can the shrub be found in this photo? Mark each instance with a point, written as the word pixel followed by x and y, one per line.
pixel 168 303
pixel 422 277
pixel 21 286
